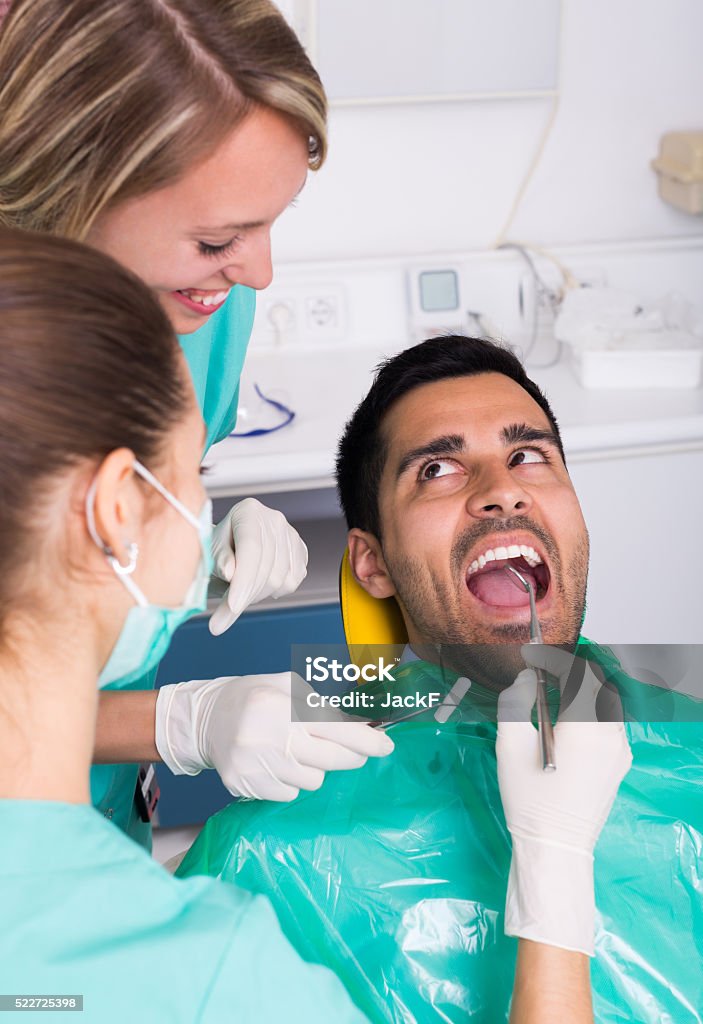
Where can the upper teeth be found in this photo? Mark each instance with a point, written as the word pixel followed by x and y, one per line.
pixel 513 551
pixel 207 300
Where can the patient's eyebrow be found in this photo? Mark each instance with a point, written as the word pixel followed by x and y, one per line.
pixel 447 444
pixel 521 433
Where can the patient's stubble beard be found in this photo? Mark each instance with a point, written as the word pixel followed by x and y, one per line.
pixel 434 608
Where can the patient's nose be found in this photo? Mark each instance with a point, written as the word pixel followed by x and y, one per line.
pixel 498 495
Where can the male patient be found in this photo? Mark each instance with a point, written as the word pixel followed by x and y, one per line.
pixel 451 469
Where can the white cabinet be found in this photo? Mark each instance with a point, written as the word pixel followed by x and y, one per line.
pixel 643 514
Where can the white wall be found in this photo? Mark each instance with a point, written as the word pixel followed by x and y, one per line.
pixel 443 177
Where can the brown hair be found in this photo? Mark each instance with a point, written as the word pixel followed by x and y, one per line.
pixel 106 100
pixel 88 363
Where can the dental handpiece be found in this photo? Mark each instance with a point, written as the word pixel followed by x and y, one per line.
pixel 544 722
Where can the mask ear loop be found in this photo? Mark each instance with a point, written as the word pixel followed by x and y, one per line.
pixel 132 555
pixel 122 571
pixel 145 474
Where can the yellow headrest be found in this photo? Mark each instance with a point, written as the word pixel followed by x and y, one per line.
pixel 368 620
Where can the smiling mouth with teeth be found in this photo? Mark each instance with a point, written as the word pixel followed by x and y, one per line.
pixel 490 585
pixel 208 300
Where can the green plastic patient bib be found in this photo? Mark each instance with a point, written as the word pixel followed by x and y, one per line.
pixel 395 875
pixel 215 356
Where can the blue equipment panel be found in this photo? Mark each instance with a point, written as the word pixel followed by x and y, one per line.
pixel 258 642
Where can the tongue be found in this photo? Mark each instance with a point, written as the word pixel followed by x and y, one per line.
pixel 496 588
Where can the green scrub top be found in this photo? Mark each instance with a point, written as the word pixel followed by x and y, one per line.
pixel 86 912
pixel 215 355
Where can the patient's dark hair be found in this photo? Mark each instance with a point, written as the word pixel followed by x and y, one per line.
pixel 89 362
pixel 362 450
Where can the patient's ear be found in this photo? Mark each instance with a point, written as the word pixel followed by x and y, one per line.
pixel 367 564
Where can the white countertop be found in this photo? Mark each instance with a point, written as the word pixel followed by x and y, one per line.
pixel 324 387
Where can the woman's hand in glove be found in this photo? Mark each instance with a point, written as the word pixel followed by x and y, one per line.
pixel 555 818
pixel 243 727
pixel 256 551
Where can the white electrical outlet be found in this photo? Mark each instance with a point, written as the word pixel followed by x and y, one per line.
pixel 302 314
pixel 321 312
pixel 324 313
pixel 280 322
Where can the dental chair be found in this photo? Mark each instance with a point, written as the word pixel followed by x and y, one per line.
pixel 366 619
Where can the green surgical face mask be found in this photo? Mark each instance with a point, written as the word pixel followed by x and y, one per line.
pixel 148 628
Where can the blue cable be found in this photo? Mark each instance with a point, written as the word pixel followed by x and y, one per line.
pixel 288 413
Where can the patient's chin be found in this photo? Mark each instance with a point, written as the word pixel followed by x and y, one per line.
pixel 492 665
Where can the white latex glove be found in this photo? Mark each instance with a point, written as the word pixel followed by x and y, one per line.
pixel 555 818
pixel 256 551
pixel 242 727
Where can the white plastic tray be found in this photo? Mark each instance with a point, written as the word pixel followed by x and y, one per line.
pixel 630 370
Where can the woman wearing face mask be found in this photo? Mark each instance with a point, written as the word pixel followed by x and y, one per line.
pixel 170 134
pixel 99 469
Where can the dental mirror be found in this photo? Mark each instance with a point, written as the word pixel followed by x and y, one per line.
pixel 544 722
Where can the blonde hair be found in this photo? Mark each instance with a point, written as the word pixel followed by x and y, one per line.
pixel 106 100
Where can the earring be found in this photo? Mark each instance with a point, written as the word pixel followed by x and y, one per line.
pixel 132 555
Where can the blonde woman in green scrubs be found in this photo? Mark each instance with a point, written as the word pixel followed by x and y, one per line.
pixel 171 134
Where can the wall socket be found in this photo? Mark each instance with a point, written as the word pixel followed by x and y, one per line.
pixel 311 314
pixel 325 316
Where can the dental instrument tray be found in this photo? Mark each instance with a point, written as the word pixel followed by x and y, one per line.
pixel 616 342
pixel 637 368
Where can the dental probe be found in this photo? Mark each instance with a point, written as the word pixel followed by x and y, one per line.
pixel 544 722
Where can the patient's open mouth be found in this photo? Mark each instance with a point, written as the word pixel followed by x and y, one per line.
pixel 490 585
